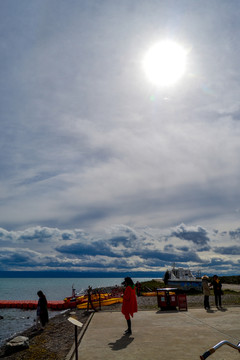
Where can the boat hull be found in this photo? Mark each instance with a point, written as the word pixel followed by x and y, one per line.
pixel 186 284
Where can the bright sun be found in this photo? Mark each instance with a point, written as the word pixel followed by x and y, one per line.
pixel 165 63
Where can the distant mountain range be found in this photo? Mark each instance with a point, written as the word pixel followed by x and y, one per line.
pixel 74 274
pixel 231 279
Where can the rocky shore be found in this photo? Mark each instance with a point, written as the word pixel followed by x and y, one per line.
pixel 56 340
pixel 52 343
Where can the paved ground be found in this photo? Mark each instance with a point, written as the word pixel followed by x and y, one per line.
pixel 235 287
pixel 161 335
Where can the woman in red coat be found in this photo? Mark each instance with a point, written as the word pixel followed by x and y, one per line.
pixel 129 305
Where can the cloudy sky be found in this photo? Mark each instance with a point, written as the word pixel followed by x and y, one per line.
pixel 102 170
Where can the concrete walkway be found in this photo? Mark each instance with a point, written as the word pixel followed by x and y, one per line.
pixel 161 335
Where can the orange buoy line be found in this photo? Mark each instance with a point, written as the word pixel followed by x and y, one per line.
pixel 32 304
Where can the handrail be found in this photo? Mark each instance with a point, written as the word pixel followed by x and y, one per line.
pixel 217 346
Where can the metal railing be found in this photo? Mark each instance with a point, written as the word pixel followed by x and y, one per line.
pixel 217 346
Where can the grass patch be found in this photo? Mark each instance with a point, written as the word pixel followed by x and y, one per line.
pixel 233 292
pixel 230 279
pixel 151 285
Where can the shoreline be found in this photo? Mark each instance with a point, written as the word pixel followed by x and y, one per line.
pixel 57 338
pixel 54 341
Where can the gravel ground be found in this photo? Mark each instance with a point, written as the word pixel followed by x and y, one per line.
pixel 56 340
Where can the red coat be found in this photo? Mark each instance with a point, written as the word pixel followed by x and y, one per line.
pixel 129 305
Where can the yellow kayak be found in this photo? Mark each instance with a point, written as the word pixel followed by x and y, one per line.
pixel 152 293
pixel 84 298
pixel 103 303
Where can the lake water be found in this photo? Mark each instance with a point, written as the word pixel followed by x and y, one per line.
pixel 18 320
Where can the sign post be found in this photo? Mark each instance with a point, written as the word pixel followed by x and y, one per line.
pixel 76 324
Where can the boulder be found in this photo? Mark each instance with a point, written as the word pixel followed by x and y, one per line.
pixel 16 344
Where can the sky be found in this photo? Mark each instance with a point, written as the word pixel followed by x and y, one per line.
pixel 102 170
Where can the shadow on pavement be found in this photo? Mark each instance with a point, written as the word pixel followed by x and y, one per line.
pixel 121 343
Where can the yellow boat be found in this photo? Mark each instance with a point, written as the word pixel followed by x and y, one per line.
pixel 84 298
pixel 104 302
pixel 152 293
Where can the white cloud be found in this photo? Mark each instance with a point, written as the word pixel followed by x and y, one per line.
pixel 87 142
pixel 119 248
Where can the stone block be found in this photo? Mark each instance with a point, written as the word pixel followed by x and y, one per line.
pixel 17 344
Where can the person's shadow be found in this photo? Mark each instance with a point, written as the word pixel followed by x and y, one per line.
pixel 121 343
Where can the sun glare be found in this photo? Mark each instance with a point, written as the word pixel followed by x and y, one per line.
pixel 165 63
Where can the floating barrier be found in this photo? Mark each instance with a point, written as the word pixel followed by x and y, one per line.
pixel 56 305
pixel 32 304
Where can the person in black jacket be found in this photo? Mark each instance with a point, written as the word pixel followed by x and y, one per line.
pixel 217 289
pixel 42 310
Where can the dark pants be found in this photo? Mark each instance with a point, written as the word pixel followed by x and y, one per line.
pixel 218 300
pixel 206 302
